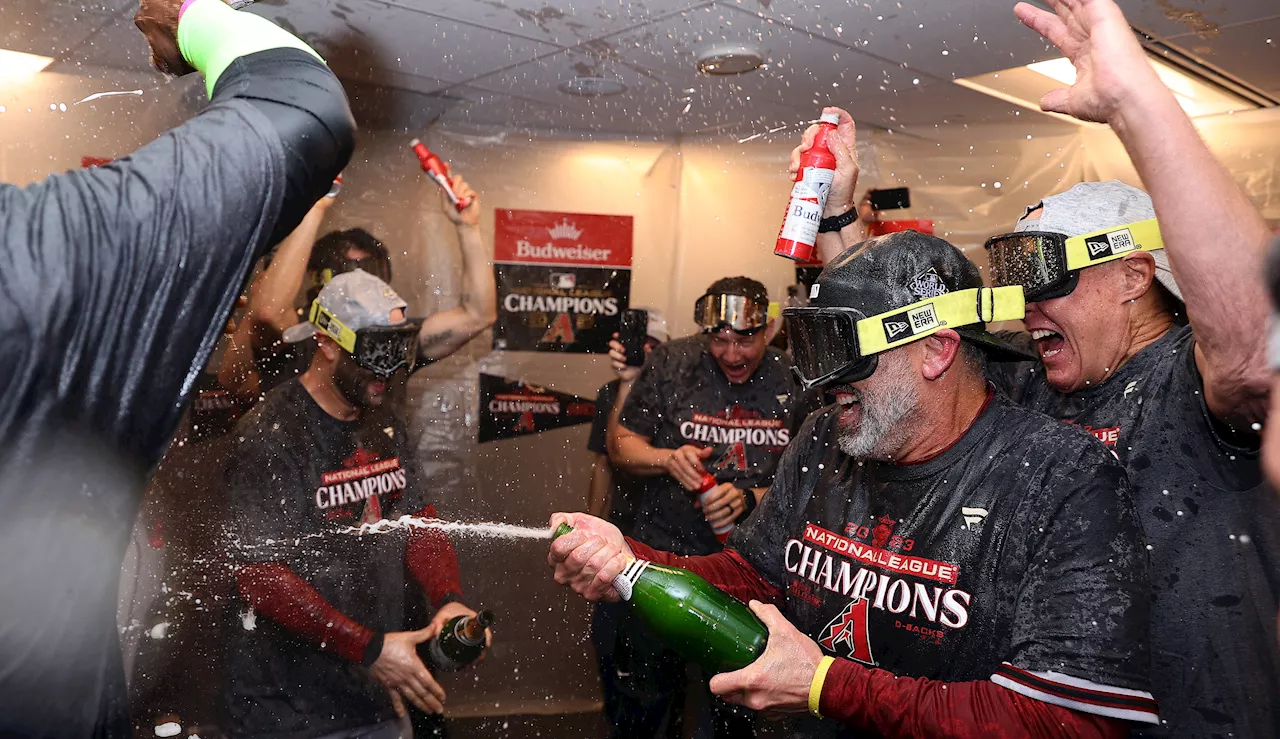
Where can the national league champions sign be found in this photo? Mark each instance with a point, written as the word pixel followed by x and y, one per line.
pixel 563 280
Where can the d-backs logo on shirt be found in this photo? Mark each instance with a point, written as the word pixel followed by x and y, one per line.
pixel 365 479
pixel 737 426
pixel 921 591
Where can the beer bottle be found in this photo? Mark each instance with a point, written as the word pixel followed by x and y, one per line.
pixel 697 620
pixel 458 644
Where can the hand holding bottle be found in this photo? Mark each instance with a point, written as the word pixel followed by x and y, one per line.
pixel 779 680
pixel 404 676
pixel 469 215
pixel 685 464
pixel 588 558
pixel 618 358
pixel 722 504
pixel 843 146
pixel 447 613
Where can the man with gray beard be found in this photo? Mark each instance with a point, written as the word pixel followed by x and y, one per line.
pixel 947 564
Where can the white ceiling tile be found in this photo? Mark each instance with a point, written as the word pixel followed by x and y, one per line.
pixel 358 35
pixel 977 36
pixel 1250 51
pixel 1176 17
pixel 563 23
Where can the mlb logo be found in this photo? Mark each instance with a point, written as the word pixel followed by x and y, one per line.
pixel 1110 244
pixel 564 280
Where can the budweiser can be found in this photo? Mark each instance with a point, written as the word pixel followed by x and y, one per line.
pixel 438 171
pixel 808 196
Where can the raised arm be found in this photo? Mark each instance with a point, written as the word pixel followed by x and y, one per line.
pixel 1215 237
pixel 446 332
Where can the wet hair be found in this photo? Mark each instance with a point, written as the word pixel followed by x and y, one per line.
pixel 745 286
pixel 330 252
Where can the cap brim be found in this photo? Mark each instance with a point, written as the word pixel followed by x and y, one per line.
pixel 299 332
pixel 997 349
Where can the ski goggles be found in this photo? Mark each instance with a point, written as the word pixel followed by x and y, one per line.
pixel 713 312
pixel 842 344
pixel 1047 265
pixel 380 349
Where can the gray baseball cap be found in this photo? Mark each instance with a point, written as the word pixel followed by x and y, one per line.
pixel 357 299
pixel 1090 207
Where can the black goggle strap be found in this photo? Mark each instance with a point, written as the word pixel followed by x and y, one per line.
pixel 892 329
pixel 1113 243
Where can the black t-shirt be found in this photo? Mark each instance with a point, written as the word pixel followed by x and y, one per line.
pixel 682 397
pixel 1015 556
pixel 1214 531
pixel 115 283
pixel 627 488
pixel 298 478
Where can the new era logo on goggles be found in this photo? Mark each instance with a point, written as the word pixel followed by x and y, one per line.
pixel 713 312
pixel 841 344
pixel 1048 265
pixel 380 349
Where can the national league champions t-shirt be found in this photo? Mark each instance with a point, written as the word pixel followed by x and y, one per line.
pixel 1214 530
pixel 1013 556
pixel 682 397
pixel 299 480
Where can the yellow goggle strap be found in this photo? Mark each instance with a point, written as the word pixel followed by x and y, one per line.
pixel 1113 243
pixel 333 328
pixel 892 329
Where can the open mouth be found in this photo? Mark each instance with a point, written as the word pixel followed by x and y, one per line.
pixel 1049 343
pixel 846 396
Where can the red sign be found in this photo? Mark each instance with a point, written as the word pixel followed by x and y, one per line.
pixel 880 228
pixel 573 239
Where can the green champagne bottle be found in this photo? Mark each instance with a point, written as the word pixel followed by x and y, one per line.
pixel 697 620
pixel 458 644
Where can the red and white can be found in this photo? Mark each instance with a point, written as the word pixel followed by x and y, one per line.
pixel 438 171
pixel 808 196
pixel 705 487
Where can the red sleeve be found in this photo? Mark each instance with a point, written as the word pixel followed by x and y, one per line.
pixel 277 593
pixel 433 562
pixel 895 707
pixel 726 570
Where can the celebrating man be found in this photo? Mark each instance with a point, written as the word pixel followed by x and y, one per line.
pixel 116 282
pixel 717 403
pixel 953 565
pixel 329 650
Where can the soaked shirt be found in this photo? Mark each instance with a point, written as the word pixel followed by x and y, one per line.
pixel 115 283
pixel 1214 530
pixel 1014 556
pixel 298 478
pixel 682 397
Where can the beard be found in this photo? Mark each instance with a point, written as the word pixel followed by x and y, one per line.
pixel 353 382
pixel 885 403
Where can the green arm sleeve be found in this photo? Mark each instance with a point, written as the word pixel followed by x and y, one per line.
pixel 211 35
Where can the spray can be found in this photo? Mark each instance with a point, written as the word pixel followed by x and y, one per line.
pixel 808 195
pixel 708 482
pixel 439 171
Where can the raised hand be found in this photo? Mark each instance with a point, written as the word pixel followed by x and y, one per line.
pixel 844 148
pixel 1110 64
pixel 469 216
pixel 618 359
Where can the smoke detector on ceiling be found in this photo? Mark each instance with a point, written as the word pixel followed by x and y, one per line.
pixel 730 60
pixel 592 87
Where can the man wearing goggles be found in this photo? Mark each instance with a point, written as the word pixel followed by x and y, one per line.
pixel 1155 380
pixel 946 562
pixel 716 403
pixel 319 455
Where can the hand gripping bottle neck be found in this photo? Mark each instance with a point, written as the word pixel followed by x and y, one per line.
pixel 808 196
pixel 694 618
pixel 705 487
pixel 438 171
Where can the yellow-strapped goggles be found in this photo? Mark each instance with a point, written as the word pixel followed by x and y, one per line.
pixel 831 344
pixel 380 349
pixel 1047 264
